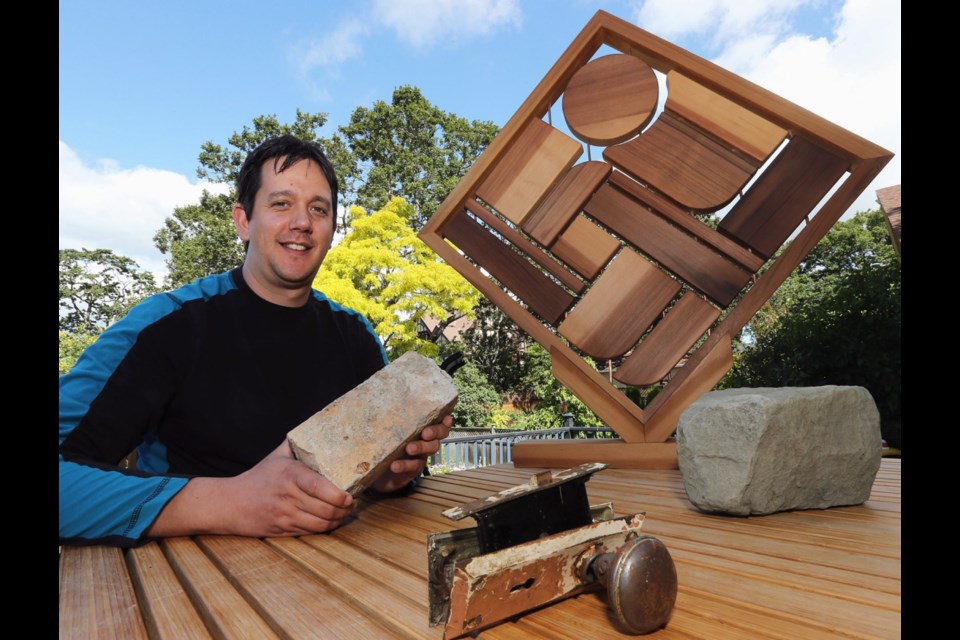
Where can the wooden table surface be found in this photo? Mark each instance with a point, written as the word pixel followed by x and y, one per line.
pixel 801 574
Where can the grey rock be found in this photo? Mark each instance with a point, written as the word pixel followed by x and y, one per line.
pixel 354 439
pixel 759 451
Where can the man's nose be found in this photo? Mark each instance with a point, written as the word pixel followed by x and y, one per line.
pixel 300 219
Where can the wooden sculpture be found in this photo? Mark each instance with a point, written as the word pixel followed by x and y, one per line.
pixel 605 257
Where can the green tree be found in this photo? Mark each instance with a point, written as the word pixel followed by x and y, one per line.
pixel 412 149
pixel 71 346
pixel 498 347
pixel 384 271
pixel 552 398
pixel 835 320
pixel 98 287
pixel 478 399
pixel 200 238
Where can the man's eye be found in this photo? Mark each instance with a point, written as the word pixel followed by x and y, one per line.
pixel 280 203
pixel 320 211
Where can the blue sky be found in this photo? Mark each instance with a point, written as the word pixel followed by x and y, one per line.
pixel 143 85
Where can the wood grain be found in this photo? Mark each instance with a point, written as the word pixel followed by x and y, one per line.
pixel 585 247
pixel 97 599
pixel 370 591
pixel 224 611
pixel 526 247
pixel 679 161
pixel 615 453
pixel 565 201
pixel 821 573
pixel 167 610
pixel 619 307
pixel 783 195
pixel 668 342
pixel 610 99
pixel 287 596
pixel 534 163
pixel 686 221
pixel 542 294
pixel 723 118
pixel 695 263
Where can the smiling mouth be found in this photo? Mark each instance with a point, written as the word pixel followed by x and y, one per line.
pixel 295 246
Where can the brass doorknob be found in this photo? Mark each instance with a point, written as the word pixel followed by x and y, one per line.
pixel 641 583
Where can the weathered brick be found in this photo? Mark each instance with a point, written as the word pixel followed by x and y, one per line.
pixel 354 439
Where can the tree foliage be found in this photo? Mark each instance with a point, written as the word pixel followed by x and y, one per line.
pixel 200 239
pixel 835 320
pixel 98 287
pixel 71 346
pixel 412 149
pixel 384 271
pixel 497 346
pixel 409 148
pixel 552 398
pixel 478 399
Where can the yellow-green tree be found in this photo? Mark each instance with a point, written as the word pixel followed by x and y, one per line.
pixel 384 271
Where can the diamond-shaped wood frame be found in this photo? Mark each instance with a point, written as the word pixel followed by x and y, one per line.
pixel 644 432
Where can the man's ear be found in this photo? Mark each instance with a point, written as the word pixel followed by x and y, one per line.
pixel 240 222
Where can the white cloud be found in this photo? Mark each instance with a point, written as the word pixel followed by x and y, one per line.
pixel 719 20
pixel 851 78
pixel 107 207
pixel 426 22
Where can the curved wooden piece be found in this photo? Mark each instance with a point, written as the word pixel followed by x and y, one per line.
pixel 682 162
pixel 610 99
pixel 663 347
pixel 620 306
pixel 565 201
pixel 534 163
pixel 720 117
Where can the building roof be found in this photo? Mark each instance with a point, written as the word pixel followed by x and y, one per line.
pixel 889 198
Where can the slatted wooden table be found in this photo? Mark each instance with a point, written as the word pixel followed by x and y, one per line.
pixel 806 574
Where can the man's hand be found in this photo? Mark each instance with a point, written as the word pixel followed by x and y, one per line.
pixel 280 496
pixel 403 470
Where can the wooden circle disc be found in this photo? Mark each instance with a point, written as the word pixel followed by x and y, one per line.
pixel 610 99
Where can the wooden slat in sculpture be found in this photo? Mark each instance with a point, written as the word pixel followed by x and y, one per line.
pixel 727 129
pixel 668 342
pixel 534 164
pixel 677 251
pixel 663 207
pixel 565 200
pixel 542 294
pixel 795 182
pixel 528 248
pixel 620 307
pixel 722 118
pixel 585 247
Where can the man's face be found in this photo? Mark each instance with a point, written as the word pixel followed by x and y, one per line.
pixel 290 230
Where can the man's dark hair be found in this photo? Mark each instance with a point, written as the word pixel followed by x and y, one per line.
pixel 292 150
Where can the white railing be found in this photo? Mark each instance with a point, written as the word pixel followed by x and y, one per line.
pixel 472 451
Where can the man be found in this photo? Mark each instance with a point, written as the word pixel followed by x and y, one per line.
pixel 207 380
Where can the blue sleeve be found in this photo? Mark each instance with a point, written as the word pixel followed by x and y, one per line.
pixel 100 503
